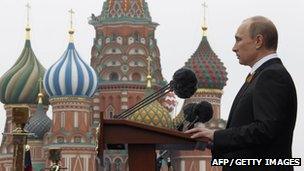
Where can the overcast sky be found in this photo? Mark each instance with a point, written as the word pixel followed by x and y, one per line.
pixel 178 36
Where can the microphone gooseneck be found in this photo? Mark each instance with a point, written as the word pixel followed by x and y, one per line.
pixel 184 85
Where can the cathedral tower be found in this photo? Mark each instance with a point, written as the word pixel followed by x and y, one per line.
pixel 38 125
pixel 19 87
pixel 70 83
pixel 123 41
pixel 212 77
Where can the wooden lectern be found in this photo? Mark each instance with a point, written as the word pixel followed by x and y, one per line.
pixel 142 141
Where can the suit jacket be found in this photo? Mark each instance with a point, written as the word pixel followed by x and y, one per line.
pixel 261 120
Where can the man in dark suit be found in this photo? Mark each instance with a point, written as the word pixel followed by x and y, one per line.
pixel 263 114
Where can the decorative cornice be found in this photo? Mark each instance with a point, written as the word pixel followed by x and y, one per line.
pixel 69 99
pixel 71 146
pixel 207 90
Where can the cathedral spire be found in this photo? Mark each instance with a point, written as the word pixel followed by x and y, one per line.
pixel 28 29
pixel 149 77
pixel 71 31
pixel 204 27
pixel 40 94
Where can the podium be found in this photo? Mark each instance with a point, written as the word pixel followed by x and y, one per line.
pixel 142 141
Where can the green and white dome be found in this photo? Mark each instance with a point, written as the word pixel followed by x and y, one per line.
pixel 20 84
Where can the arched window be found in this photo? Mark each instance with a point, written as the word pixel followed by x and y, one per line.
pixel 137 51
pixel 119 40
pixel 113 76
pixel 136 77
pixel 110 112
pixel 77 139
pixel 130 40
pixel 99 42
pixel 118 164
pixel 143 40
pixel 107 164
pixel 60 140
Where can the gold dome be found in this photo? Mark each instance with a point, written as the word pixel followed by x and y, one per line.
pixel 178 119
pixel 153 114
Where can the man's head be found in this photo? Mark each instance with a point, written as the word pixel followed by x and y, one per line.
pixel 255 38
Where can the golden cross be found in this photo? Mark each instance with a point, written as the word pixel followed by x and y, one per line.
pixel 40 94
pixel 40 84
pixel 71 22
pixel 205 7
pixel 28 14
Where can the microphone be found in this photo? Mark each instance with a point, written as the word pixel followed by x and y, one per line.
pixel 184 85
pixel 189 115
pixel 193 113
pixel 204 111
pixel 196 112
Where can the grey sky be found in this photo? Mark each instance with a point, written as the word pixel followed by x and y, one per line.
pixel 178 35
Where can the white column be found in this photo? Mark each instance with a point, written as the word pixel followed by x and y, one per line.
pixel 86 161
pixel 75 119
pixel 8 167
pixel 202 165
pixel 182 165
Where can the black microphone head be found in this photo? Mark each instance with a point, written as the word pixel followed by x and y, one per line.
pixel 188 110
pixel 204 111
pixel 184 83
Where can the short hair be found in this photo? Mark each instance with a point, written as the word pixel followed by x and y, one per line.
pixel 265 27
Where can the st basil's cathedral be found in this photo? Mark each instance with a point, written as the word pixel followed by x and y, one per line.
pixel 124 57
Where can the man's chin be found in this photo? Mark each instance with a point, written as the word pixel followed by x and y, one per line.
pixel 241 62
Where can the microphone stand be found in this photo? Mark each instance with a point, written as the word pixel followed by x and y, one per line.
pixel 156 95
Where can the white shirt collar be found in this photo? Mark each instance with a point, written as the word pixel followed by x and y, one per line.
pixel 261 61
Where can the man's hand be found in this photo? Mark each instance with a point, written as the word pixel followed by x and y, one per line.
pixel 200 132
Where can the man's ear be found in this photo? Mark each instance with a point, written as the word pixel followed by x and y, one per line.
pixel 259 40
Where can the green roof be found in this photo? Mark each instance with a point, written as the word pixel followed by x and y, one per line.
pixel 20 84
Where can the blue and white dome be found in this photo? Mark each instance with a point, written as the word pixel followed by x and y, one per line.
pixel 70 76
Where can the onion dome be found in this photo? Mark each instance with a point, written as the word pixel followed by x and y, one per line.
pixel 20 83
pixel 169 101
pixel 39 123
pixel 153 114
pixel 210 71
pixel 70 75
pixel 178 119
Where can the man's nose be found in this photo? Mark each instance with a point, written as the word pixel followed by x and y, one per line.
pixel 234 49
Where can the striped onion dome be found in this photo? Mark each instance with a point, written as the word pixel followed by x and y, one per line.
pixel 208 68
pixel 39 123
pixel 20 84
pixel 70 76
